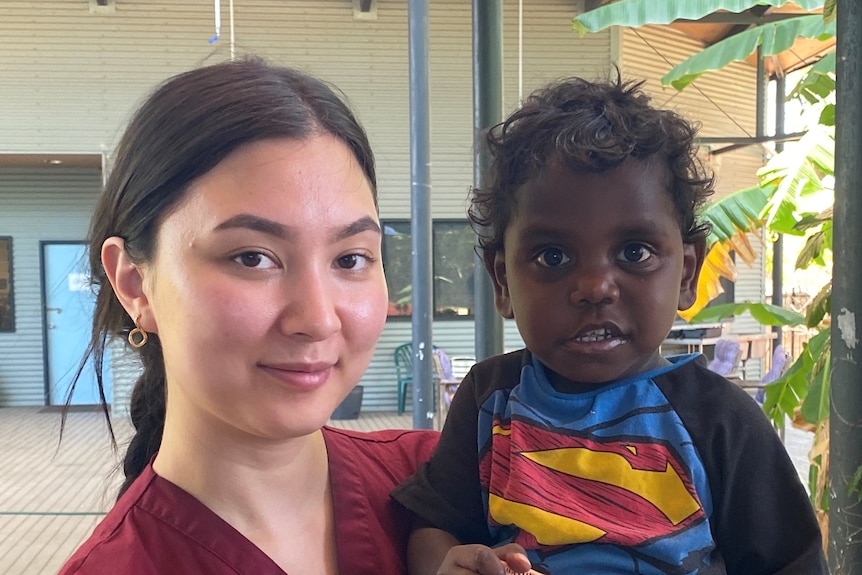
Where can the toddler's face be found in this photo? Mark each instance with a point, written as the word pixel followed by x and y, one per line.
pixel 594 270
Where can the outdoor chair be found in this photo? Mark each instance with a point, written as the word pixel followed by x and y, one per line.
pixel 780 362
pixel 726 357
pixel 403 372
pixel 444 380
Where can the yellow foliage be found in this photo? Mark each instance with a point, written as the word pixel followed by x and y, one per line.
pixel 740 244
pixel 717 264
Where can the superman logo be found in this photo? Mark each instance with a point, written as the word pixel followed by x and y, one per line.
pixel 578 490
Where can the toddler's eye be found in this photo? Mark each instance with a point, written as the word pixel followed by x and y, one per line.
pixel 635 253
pixel 255 260
pixel 552 257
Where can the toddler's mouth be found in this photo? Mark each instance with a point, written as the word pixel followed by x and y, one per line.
pixel 593 335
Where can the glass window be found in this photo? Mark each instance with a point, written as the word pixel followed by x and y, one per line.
pixel 452 268
pixel 397 264
pixel 7 315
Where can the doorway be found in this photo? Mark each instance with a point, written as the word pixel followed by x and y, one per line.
pixel 69 304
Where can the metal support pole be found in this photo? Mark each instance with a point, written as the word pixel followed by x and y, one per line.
pixel 420 211
pixel 761 96
pixel 845 423
pixel 487 112
pixel 778 244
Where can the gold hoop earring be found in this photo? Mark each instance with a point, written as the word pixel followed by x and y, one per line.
pixel 137 337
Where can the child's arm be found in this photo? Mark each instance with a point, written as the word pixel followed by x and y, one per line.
pixel 433 551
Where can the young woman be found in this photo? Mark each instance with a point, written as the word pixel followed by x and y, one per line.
pixel 237 247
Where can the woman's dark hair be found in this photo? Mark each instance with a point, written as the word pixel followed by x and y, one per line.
pixel 588 127
pixel 187 126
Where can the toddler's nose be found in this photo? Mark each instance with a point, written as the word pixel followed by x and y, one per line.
pixel 595 286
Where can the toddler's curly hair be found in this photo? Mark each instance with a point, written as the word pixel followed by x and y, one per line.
pixel 588 127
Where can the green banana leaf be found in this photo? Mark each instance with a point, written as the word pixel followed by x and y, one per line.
pixel 796 172
pixel 819 306
pixel 637 13
pixel 787 392
pixel 818 82
pixel 731 218
pixel 815 247
pixel 740 212
pixel 815 407
pixel 827 116
pixel 829 10
pixel 764 313
pixel 773 37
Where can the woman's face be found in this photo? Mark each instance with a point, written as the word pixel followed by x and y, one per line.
pixel 267 288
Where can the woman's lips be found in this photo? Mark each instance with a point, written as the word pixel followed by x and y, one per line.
pixel 305 376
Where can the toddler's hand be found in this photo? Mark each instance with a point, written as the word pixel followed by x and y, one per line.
pixel 465 559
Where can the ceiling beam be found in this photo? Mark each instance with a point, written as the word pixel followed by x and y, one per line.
pixel 735 142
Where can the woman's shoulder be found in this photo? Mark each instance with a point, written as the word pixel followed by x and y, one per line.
pixel 116 541
pixel 157 528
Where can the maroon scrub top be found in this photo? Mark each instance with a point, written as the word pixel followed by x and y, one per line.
pixel 156 528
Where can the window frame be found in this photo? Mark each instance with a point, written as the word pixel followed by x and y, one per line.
pixel 9 327
pixel 437 316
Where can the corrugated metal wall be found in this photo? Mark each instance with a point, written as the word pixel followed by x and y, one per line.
pixel 36 205
pixel 69 79
pixel 72 78
pixel 550 49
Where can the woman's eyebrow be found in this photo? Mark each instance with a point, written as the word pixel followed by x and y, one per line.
pixel 255 223
pixel 280 231
pixel 364 224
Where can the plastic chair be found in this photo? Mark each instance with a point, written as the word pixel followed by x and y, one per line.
pixel 403 372
pixel 726 358
pixel 442 364
pixel 447 382
pixel 780 359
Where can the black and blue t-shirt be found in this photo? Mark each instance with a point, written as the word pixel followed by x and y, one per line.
pixel 673 471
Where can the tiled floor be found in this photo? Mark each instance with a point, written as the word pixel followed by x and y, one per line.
pixel 52 493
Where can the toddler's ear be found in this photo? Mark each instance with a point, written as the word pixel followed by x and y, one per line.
pixel 495 263
pixel 692 260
